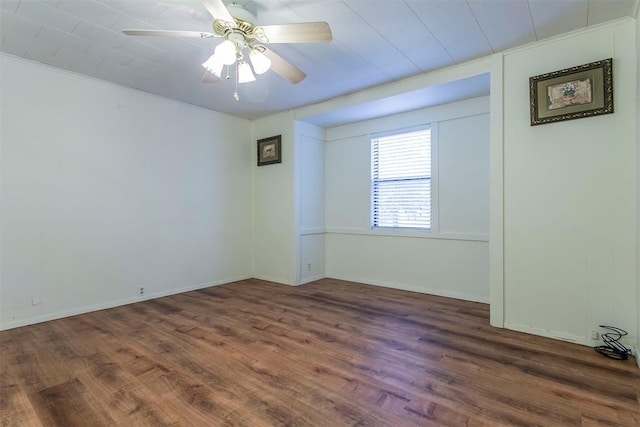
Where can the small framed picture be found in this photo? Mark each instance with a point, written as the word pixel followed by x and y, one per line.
pixel 270 150
pixel 572 93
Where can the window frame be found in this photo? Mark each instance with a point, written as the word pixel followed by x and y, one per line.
pixel 408 231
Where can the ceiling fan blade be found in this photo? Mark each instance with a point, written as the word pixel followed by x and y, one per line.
pixel 170 33
pixel 209 77
pixel 282 67
pixel 218 10
pixel 307 32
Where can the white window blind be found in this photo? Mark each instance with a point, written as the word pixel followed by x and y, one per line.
pixel 401 180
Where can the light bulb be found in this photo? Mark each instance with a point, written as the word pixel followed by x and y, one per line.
pixel 261 63
pixel 213 65
pixel 226 51
pixel 245 75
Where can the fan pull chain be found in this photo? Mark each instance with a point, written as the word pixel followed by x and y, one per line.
pixel 235 94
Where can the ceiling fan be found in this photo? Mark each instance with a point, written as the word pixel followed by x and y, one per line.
pixel 235 25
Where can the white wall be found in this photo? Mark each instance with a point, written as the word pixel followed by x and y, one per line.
pixel 463 175
pixel 638 182
pixel 309 172
pixel 288 204
pixel 452 260
pixel 570 191
pixel 106 189
pixel 274 214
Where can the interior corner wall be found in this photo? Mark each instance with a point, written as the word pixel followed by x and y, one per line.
pixel 570 196
pixel 637 20
pixel 453 259
pixel 310 202
pixel 106 190
pixel 274 212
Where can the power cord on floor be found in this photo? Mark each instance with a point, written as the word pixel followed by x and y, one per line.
pixel 613 348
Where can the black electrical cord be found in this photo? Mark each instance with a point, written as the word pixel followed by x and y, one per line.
pixel 613 349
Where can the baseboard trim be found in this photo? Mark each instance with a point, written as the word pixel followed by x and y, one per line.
pixel 273 279
pixel 548 333
pixel 561 336
pixel 311 279
pixel 412 288
pixel 111 304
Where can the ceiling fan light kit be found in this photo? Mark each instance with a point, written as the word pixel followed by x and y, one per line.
pixel 245 75
pixel 261 63
pixel 225 52
pixel 213 65
pixel 235 24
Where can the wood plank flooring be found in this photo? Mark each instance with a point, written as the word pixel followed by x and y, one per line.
pixel 329 353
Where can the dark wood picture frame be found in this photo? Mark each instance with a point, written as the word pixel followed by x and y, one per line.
pixel 572 93
pixel 270 150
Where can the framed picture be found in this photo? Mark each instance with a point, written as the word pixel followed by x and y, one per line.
pixel 572 93
pixel 270 150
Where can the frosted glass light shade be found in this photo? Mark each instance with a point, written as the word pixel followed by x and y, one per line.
pixel 261 63
pixel 213 65
pixel 245 75
pixel 226 51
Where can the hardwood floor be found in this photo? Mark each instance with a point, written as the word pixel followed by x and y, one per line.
pixel 329 353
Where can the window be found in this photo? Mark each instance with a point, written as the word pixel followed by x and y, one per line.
pixel 401 180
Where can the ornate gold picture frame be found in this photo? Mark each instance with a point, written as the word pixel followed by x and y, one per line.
pixel 572 93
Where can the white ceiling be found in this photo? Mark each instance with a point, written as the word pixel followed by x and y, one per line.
pixel 374 42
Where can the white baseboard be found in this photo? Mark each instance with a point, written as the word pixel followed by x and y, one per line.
pixel 273 279
pixel 562 336
pixel 111 304
pixel 413 288
pixel 311 279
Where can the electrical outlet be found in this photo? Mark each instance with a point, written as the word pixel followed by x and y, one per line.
pixel 309 267
pixel 594 335
pixel 35 297
pixel 141 292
